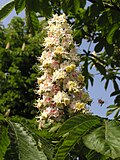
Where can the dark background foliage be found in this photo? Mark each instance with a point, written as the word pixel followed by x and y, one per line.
pixel 18 71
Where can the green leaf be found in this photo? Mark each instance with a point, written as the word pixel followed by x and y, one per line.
pixel 31 17
pixel 19 5
pixel 97 39
pixel 109 112
pixel 100 68
pixel 106 83
pixel 103 19
pixel 75 121
pixel 35 6
pixel 82 3
pixel 32 21
pixel 76 127
pixel 23 144
pixel 115 93
pixel 109 49
pixel 102 79
pixel 76 5
pixel 85 71
pixel 117 113
pixel 117 99
pixel 41 136
pixel 55 128
pixel 2 117
pixel 112 109
pixel 46 9
pixel 105 139
pixel 91 80
pixel 94 10
pixel 47 148
pixel 4 141
pixel 112 106
pixel 111 33
pixel 116 87
pixel 5 10
pixel 85 28
pixel 77 34
pixel 98 47
pixel 116 38
pixel 96 58
pixel 92 155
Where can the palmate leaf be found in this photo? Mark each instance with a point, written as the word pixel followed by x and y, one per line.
pixel 23 146
pixel 6 9
pixel 105 139
pixel 4 141
pixel 76 127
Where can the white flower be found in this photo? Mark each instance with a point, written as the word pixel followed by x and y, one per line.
pixel 50 41
pixel 59 50
pixel 73 86
pixel 77 105
pixel 50 112
pixel 47 62
pixel 70 68
pixel 64 65
pixel 61 98
pixel 45 86
pixel 42 78
pixel 39 103
pixel 59 74
pixel 43 56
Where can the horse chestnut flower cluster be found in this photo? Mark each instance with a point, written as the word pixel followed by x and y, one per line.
pixel 61 88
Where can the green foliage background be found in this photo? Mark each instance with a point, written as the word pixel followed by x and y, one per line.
pixel 18 71
pixel 85 137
